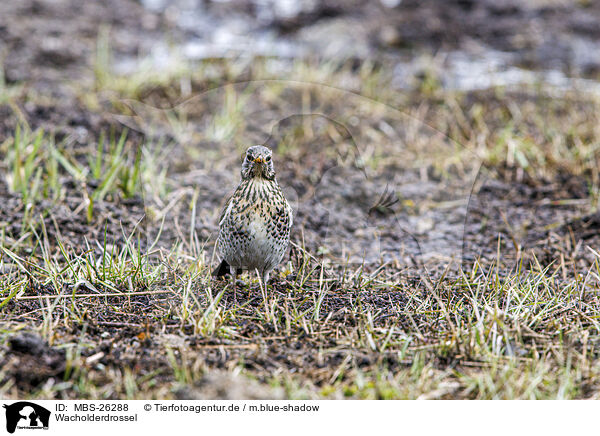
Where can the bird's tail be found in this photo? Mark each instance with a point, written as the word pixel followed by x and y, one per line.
pixel 222 269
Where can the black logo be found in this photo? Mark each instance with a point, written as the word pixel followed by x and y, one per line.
pixel 26 415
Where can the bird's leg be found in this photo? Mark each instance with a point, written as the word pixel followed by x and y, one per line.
pixel 263 278
pixel 233 271
pixel 260 283
pixel 238 271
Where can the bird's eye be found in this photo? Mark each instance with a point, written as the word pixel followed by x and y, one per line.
pixel 268 159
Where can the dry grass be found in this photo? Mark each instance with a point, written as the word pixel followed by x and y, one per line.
pixel 107 247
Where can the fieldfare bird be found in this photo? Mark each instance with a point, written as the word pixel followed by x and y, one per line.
pixel 254 227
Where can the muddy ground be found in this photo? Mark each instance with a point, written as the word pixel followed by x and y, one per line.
pixel 384 188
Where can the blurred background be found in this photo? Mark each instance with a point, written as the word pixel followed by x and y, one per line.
pixel 464 44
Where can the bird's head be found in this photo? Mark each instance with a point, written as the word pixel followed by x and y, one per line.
pixel 258 162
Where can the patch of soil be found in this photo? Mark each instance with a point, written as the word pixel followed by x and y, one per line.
pixel 531 220
pixel 222 385
pixel 48 43
pixel 31 362
pixel 66 220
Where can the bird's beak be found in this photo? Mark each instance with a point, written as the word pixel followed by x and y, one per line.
pixel 259 160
